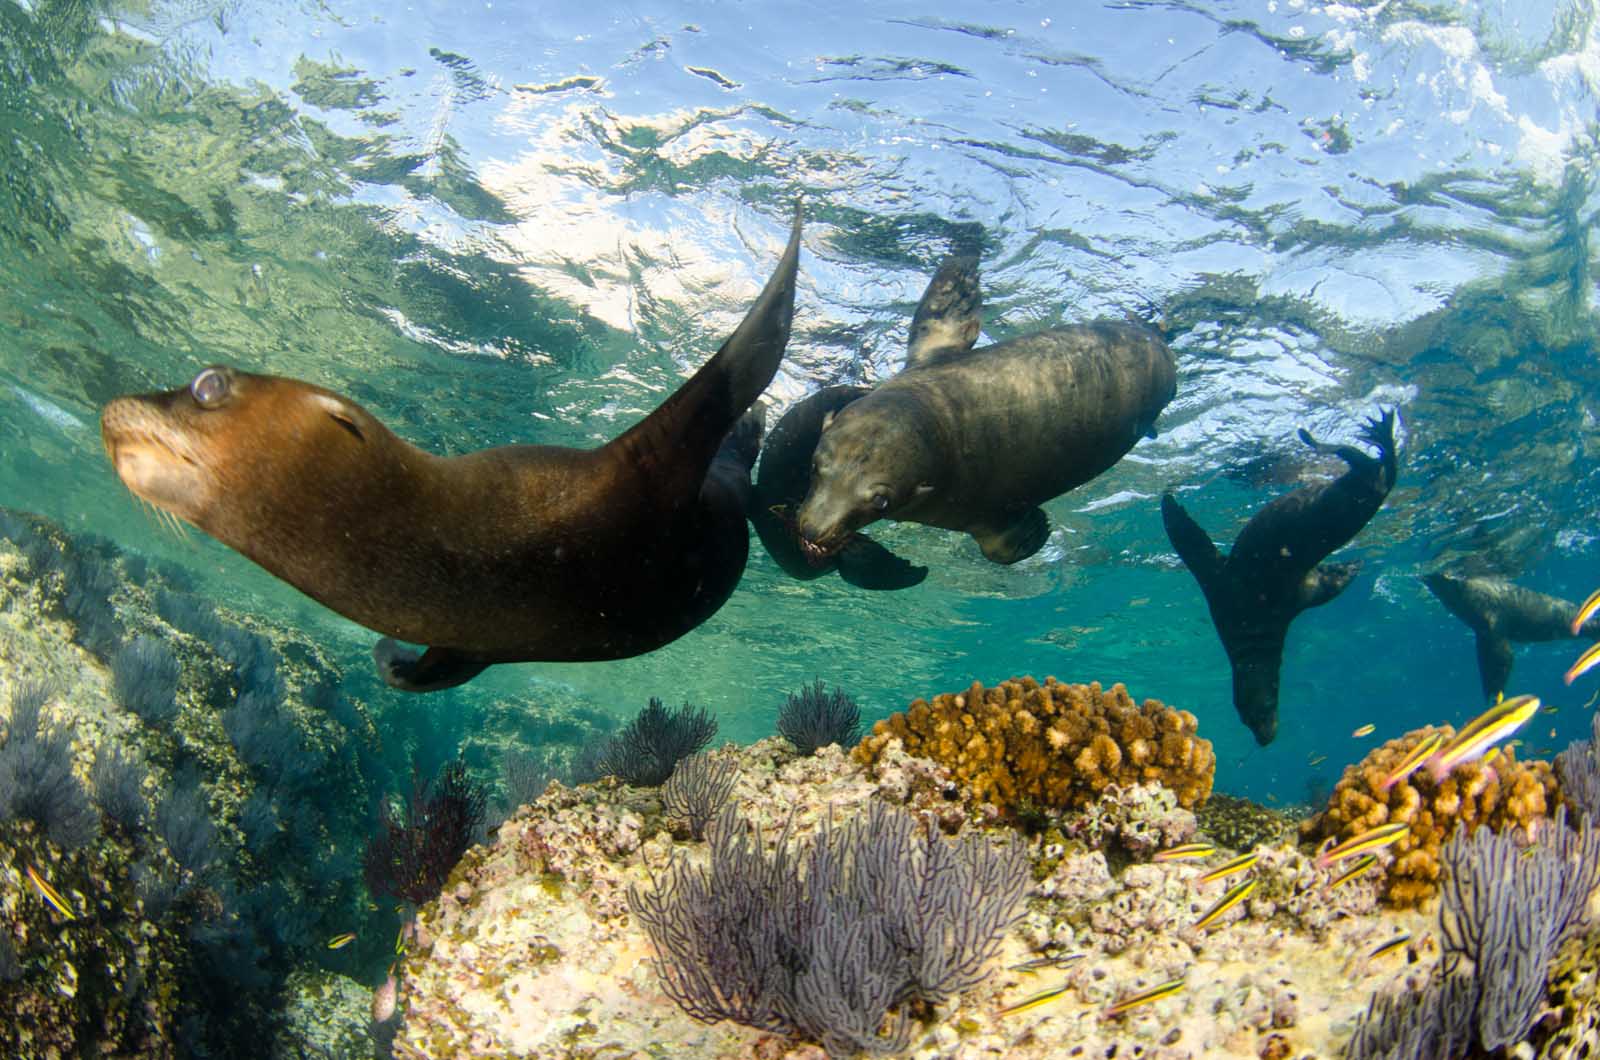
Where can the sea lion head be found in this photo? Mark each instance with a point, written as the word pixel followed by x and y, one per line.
pixel 231 451
pixel 1255 697
pixel 867 466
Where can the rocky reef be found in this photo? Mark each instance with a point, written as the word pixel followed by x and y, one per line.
pixel 533 951
pixel 1023 745
pixel 1501 795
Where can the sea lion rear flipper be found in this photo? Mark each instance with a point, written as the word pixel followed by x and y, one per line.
pixel 429 671
pixel 1193 544
pixel 1016 542
pixel 868 565
pixel 1494 662
pixel 1325 581
pixel 948 318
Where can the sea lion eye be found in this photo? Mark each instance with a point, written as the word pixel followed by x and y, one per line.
pixel 210 388
pixel 880 501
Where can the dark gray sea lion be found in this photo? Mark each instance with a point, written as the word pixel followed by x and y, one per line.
pixel 976 439
pixel 1275 570
pixel 781 485
pixel 1499 613
pixel 946 318
pixel 511 554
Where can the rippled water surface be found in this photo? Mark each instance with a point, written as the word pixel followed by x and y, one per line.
pixel 498 223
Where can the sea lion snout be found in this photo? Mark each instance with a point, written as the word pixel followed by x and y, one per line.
pixel 152 458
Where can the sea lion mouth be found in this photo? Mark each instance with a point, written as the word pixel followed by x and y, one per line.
pixel 815 554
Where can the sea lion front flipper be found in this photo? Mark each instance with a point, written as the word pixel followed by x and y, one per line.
pixel 1494 662
pixel 1194 546
pixel 868 565
pixel 1325 581
pixel 427 671
pixel 1016 542
pixel 702 411
pixel 948 318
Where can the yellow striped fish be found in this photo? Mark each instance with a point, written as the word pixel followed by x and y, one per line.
pixel 1225 903
pixel 1229 868
pixel 341 940
pixel 1476 737
pixel 1143 997
pixel 1365 730
pixel 1036 1000
pixel 1361 865
pixel 1315 759
pixel 1049 960
pixel 51 896
pixel 1371 839
pixel 1586 610
pixel 1389 945
pixel 1185 852
pixel 1585 663
pixel 1413 760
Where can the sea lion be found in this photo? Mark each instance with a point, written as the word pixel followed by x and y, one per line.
pixel 512 554
pixel 1275 570
pixel 976 439
pixel 946 318
pixel 1499 613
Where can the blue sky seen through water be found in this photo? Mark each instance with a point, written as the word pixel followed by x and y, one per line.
pixel 492 224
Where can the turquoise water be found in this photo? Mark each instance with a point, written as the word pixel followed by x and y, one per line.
pixel 491 225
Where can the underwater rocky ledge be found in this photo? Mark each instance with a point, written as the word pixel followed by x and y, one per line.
pixel 194 892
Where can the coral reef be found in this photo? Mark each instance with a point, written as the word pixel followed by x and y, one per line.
pixel 1132 822
pixel 1240 824
pixel 532 950
pixel 1510 902
pixel 816 718
pixel 1503 794
pixel 1022 744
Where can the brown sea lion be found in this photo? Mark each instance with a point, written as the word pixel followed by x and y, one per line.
pixel 976 439
pixel 946 318
pixel 1498 613
pixel 512 554
pixel 1275 570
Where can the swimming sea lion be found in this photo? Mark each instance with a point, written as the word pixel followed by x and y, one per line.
pixel 511 554
pixel 1498 613
pixel 1275 570
pixel 946 318
pixel 976 439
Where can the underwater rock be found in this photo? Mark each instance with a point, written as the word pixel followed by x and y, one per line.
pixel 1024 745
pixel 324 1014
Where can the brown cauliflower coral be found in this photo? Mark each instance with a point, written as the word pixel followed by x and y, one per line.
pixel 1051 745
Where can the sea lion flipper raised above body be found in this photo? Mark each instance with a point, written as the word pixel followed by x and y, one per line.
pixel 1194 546
pixel 949 316
pixel 701 412
pixel 1014 543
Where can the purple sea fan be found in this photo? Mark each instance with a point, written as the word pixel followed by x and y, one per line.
pixel 411 857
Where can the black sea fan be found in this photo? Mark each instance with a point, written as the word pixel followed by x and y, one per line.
pixel 410 857
pixel 36 778
pixel 645 752
pixel 144 679
pixel 816 718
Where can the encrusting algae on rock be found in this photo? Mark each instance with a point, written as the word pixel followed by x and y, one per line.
pixel 1052 745
pixel 1503 794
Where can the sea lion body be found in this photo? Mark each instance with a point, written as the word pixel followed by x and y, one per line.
pixel 782 483
pixel 974 440
pixel 1276 568
pixel 1500 613
pixel 510 554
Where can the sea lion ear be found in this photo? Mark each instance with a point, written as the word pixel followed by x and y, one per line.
pixel 921 490
pixel 341 414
